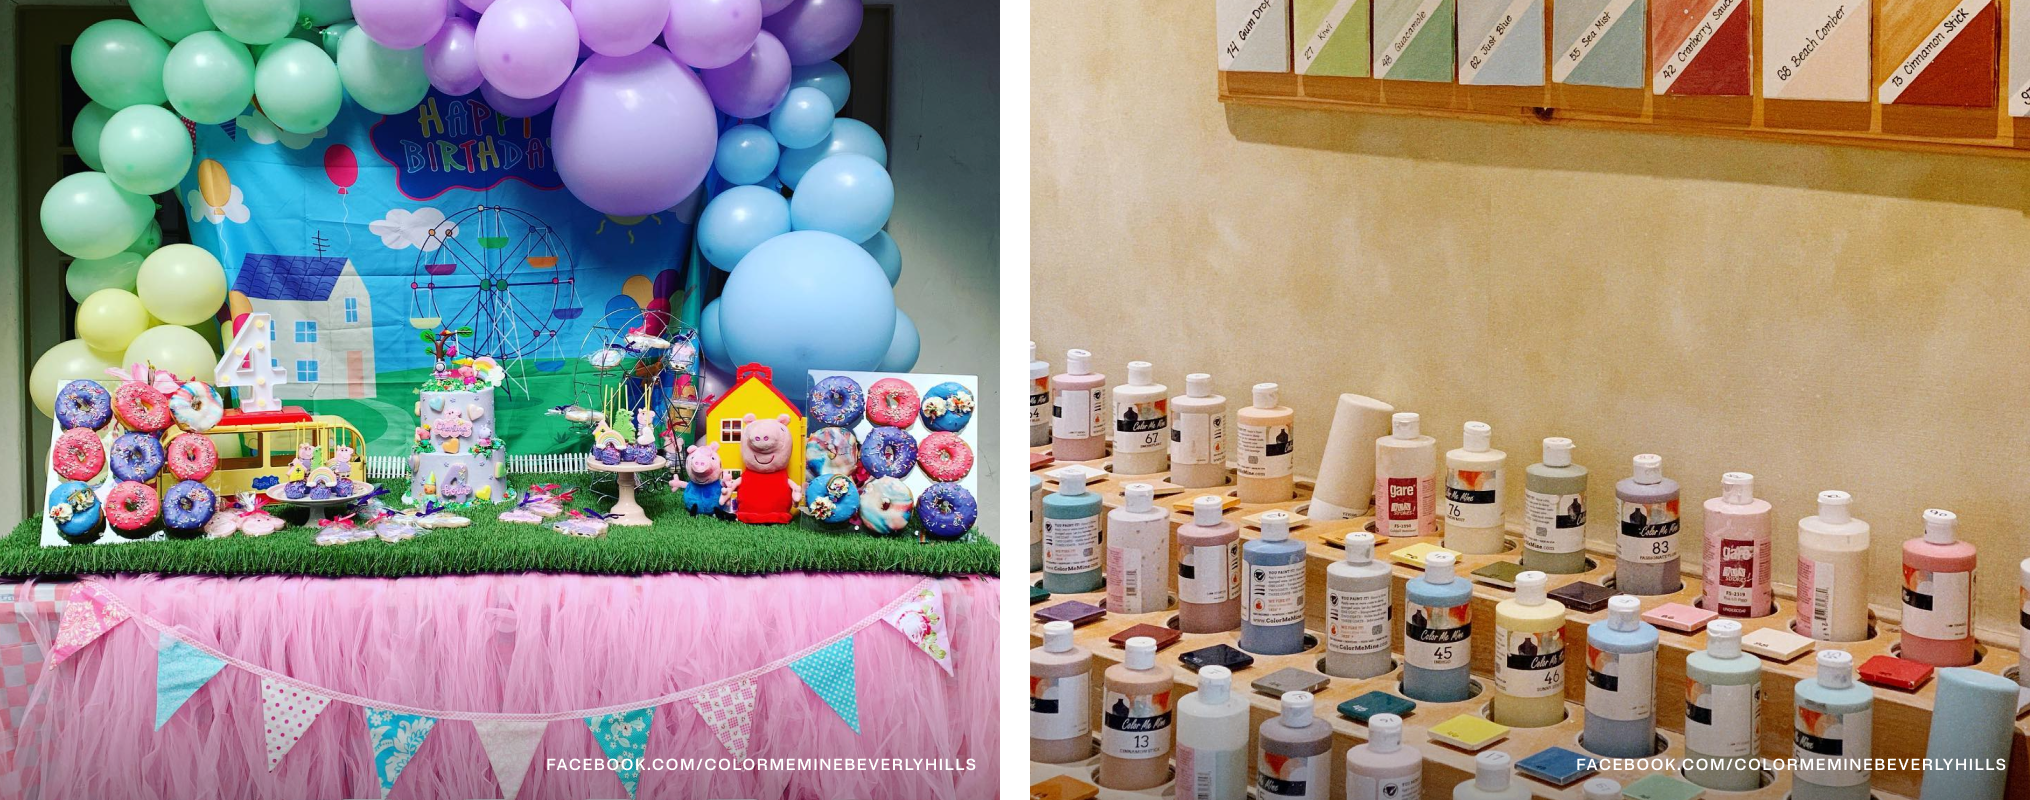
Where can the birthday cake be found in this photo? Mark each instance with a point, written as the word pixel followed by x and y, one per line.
pixel 458 457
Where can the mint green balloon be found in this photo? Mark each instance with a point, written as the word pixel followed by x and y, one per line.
pixel 327 12
pixel 86 216
pixel 173 19
pixel 209 77
pixel 88 275
pixel 335 35
pixel 298 86
pixel 84 132
pixel 380 79
pixel 146 150
pixel 253 21
pixel 149 239
pixel 119 64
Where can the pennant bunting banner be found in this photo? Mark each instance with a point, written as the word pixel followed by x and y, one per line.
pixel 180 670
pixel 286 712
pixel 511 746
pixel 395 739
pixel 86 617
pixel 729 709
pixel 921 619
pixel 829 672
pixel 624 737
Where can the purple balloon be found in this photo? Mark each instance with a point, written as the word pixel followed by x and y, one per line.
pixel 449 59
pixel 815 30
pixel 752 85
pixel 619 27
pixel 633 134
pixel 476 5
pixel 517 107
pixel 526 47
pixel 400 24
pixel 708 34
pixel 772 6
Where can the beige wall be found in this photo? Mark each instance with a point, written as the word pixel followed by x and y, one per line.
pixel 1822 317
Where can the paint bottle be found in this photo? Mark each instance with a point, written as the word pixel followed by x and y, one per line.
pixel 1135 737
pixel 1035 523
pixel 1296 753
pixel 1473 497
pixel 1272 590
pixel 1529 656
pixel 1600 789
pixel 1357 612
pixel 1723 711
pixel 1078 411
pixel 1060 698
pixel 1437 633
pixel 1212 739
pixel 1263 472
pixel 1938 594
pixel 1832 572
pixel 1646 546
pixel 1208 570
pixel 1493 779
pixel 1141 423
pixel 1621 682
pixel 1405 480
pixel 1834 719
pixel 1737 550
pixel 1071 538
pixel 1198 435
pixel 1039 399
pixel 1383 769
pixel 1138 554
pixel 2023 627
pixel 1554 512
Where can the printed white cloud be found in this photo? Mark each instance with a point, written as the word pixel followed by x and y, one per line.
pixel 423 229
pixel 235 208
pixel 256 126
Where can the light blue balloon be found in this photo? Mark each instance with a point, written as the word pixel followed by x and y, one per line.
pixel 713 338
pixel 739 219
pixel 848 195
pixel 882 247
pixel 824 76
pixel 807 300
pixel 904 349
pixel 802 119
pixel 848 136
pixel 747 155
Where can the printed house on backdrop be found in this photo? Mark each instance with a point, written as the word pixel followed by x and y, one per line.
pixel 324 323
pixel 754 393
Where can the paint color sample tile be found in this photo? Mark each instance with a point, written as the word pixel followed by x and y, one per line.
pixel 1937 53
pixel 1226 502
pixel 1663 787
pixel 1063 788
pixel 1558 766
pixel 1775 644
pixel 2019 64
pixel 1600 42
pixel 1701 47
pixel 1254 35
pixel 1093 475
pixel 1816 50
pixel 1501 42
pixel 1413 40
pixel 1296 520
pixel 1469 732
pixel 1679 617
pixel 1331 38
pixel 1414 555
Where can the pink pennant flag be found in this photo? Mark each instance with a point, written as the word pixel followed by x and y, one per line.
pixel 286 712
pixel 87 616
pixel 729 709
pixel 921 618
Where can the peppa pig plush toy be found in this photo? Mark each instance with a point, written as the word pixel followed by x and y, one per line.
pixel 706 492
pixel 764 492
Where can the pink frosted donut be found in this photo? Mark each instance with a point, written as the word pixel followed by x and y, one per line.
pixel 944 456
pixel 132 505
pixel 192 457
pixel 892 401
pixel 141 408
pixel 78 454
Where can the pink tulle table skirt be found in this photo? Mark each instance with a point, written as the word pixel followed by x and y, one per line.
pixel 521 643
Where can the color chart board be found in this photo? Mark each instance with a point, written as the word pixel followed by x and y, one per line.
pixel 2019 64
pixel 1501 42
pixel 1599 42
pixel 1701 47
pixel 1413 40
pixel 1937 53
pixel 1254 35
pixel 1816 50
pixel 1331 37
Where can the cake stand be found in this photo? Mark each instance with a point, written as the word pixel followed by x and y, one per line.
pixel 625 510
pixel 316 507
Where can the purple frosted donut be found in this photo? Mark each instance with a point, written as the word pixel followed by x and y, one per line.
pixel 137 457
pixel 837 402
pixel 187 506
pixel 84 404
pixel 947 510
pixel 78 454
pixel 888 452
pixel 944 456
pixel 131 506
pixel 893 402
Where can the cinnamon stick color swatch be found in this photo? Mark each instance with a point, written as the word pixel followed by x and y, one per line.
pixel 1816 50
pixel 1938 53
pixel 1700 47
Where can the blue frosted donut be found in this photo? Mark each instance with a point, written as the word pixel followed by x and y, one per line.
pixel 947 510
pixel 76 510
pixel 831 451
pixel 832 499
pixel 187 506
pixel 888 452
pixel 136 456
pixel 84 404
pixel 837 401
pixel 947 407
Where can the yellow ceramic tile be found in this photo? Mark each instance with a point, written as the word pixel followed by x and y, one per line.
pixel 1415 554
pixel 1469 732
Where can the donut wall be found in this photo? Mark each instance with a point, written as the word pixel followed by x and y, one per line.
pixel 130 464
pixel 905 444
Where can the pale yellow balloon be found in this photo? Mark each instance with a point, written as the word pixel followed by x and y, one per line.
pixel 66 362
pixel 110 319
pixel 181 284
pixel 178 349
pixel 639 289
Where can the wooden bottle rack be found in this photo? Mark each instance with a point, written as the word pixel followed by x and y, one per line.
pixel 1902 720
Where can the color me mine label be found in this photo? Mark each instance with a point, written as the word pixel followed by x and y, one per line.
pixel 1936 605
pixel 1721 720
pixel 1620 685
pixel 1649 532
pixel 1823 735
pixel 1141 427
pixel 1529 664
pixel 1039 400
pixel 1437 637
pixel 1298 777
pixel 1137 725
pixel 1554 523
pixel 1057 706
pixel 1275 594
pixel 1473 498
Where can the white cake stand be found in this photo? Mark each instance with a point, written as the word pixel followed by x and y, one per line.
pixel 317 507
pixel 625 510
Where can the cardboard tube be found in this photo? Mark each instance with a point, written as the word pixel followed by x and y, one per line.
pixel 1970 720
pixel 1346 476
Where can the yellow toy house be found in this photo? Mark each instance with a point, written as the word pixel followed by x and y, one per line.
pixel 754 393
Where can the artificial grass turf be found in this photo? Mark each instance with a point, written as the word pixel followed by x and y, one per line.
pixel 677 542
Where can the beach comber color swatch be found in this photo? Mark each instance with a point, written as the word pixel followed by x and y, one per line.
pixel 1599 42
pixel 1254 35
pixel 1701 47
pixel 1816 50
pixel 1413 40
pixel 1331 38
pixel 1937 53
pixel 2019 87
pixel 1501 42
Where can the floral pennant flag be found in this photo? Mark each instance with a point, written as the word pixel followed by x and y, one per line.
pixel 395 739
pixel 286 712
pixel 729 709
pixel 511 746
pixel 86 617
pixel 829 672
pixel 180 670
pixel 921 618
pixel 624 737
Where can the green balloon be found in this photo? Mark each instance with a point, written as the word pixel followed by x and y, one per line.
pixel 173 19
pixel 86 216
pixel 119 64
pixel 146 149
pixel 148 240
pixel 209 77
pixel 326 12
pixel 298 86
pixel 381 80
pixel 253 21
pixel 335 35
pixel 88 275
pixel 84 132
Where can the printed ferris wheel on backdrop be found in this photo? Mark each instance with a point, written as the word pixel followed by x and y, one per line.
pixel 505 274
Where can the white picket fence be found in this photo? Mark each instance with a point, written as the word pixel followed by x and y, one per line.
pixel 385 467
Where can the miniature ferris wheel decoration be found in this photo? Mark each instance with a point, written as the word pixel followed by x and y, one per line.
pixel 501 272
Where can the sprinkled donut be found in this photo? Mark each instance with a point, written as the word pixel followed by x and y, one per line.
pixel 832 451
pixel 197 406
pixel 131 507
pixel 84 404
pixel 944 456
pixel 78 454
pixel 832 499
pixel 947 510
pixel 186 507
pixel 888 453
pixel 192 457
pixel 885 504
pixel 76 510
pixel 141 408
pixel 893 402
pixel 837 401
pixel 947 407
pixel 137 457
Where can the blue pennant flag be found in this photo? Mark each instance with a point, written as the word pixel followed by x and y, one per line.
pixel 395 738
pixel 180 670
pixel 624 736
pixel 829 672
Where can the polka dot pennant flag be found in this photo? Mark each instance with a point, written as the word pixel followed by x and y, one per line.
pixel 729 709
pixel 829 672
pixel 286 712
pixel 180 670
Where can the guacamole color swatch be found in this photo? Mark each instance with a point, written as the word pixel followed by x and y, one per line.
pixel 1413 40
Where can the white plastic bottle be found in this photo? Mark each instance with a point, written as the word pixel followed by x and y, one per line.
pixel 1212 739
pixel 1039 399
pixel 1138 554
pixel 1493 779
pixel 1473 493
pixel 1406 480
pixel 1141 423
pixel 1383 769
pixel 1832 572
pixel 1357 612
pixel 1600 789
pixel 1198 435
